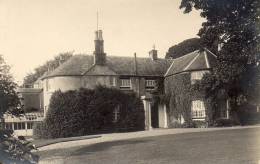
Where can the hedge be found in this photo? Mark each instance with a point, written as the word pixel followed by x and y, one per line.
pixel 84 111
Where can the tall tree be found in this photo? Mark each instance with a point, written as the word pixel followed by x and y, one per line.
pixel 12 149
pixel 9 99
pixel 39 71
pixel 183 48
pixel 235 24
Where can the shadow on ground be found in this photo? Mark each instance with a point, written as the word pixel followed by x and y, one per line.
pixel 105 146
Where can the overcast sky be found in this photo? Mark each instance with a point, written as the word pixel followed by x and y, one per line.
pixel 33 31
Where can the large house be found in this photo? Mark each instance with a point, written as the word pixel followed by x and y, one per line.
pixel 130 74
pixel 147 77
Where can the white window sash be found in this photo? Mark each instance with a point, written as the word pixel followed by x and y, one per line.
pixel 150 83
pixel 125 83
pixel 198 109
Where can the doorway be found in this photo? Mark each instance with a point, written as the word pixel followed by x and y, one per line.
pixel 154 115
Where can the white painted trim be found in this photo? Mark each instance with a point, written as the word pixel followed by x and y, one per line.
pixel 165 116
pixel 169 69
pixel 206 58
pixel 191 62
pixel 210 52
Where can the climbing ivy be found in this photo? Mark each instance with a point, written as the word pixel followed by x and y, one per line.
pixel 179 94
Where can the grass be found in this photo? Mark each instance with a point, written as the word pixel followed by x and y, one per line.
pixel 239 146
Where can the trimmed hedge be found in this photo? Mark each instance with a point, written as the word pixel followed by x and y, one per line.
pixel 85 111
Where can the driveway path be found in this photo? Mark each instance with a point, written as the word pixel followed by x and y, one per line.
pixel 131 135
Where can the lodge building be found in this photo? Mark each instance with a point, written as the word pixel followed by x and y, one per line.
pixel 131 74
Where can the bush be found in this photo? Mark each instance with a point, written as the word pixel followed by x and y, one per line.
pixel 16 149
pixel 199 124
pixel 221 122
pixel 40 130
pixel 248 115
pixel 190 124
pixel 85 111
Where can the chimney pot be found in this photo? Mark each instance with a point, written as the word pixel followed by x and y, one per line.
pixel 153 54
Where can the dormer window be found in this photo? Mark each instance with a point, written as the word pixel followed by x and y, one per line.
pixel 125 83
pixel 197 75
pixel 150 84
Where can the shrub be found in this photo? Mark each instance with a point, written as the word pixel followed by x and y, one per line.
pixel 40 130
pixel 248 115
pixel 199 124
pixel 85 111
pixel 15 149
pixel 221 122
pixel 190 124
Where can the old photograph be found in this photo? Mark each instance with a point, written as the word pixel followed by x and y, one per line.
pixel 129 81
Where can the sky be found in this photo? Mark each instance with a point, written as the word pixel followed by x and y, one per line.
pixel 34 31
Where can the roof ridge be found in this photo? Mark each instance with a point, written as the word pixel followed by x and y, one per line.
pixel 109 56
pixel 210 52
pixel 186 55
pixel 206 58
pixel 169 69
pixel 192 61
pixel 88 69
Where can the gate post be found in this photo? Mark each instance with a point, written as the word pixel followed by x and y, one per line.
pixel 147 112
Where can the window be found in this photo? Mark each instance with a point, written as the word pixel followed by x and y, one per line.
pixel 15 126
pixel 125 83
pixel 150 84
pixel 112 81
pixel 48 85
pixel 116 114
pixel 31 117
pixel 29 125
pixel 197 75
pixel 198 109
pixel 19 125
pixel 8 126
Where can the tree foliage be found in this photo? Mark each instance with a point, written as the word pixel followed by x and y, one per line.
pixel 12 149
pixel 235 25
pixel 9 100
pixel 30 78
pixel 183 48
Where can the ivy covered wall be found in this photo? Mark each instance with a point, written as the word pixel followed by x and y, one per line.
pixel 179 94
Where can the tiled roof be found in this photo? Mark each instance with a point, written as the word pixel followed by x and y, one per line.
pixel 197 60
pixel 79 65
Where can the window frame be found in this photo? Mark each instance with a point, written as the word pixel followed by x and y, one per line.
pixel 198 110
pixel 116 114
pixel 112 81
pixel 29 125
pixel 148 86
pixel 125 86
pixel 197 75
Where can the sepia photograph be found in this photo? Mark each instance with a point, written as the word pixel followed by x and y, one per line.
pixel 129 81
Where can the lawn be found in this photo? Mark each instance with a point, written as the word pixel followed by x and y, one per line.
pixel 240 146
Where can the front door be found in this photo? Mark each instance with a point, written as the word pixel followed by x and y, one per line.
pixel 154 115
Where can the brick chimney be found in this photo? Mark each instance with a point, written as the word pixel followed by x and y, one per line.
pixel 99 55
pixel 153 54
